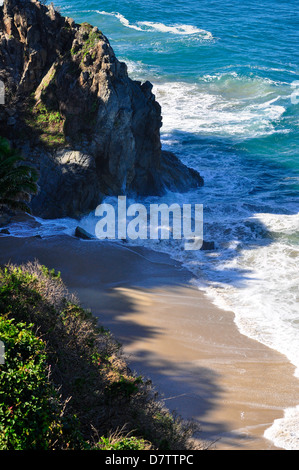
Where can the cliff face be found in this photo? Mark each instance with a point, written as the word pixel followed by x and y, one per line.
pixel 76 114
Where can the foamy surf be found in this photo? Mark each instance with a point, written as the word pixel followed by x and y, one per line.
pixel 183 29
pixel 212 110
pixel 151 26
pixel 221 105
pixel 265 303
pixel 266 306
pixel 284 431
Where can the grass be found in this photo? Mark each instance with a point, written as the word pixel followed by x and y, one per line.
pixel 59 360
pixel 90 38
pixel 47 124
pixel 120 441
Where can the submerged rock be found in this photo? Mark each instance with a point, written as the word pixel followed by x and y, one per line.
pixel 81 233
pixel 208 246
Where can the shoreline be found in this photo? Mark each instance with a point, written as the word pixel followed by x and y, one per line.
pixel 172 333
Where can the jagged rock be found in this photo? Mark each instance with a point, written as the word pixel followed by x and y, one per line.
pixel 84 101
pixel 177 176
pixel 81 233
pixel 4 219
pixel 70 184
pixel 208 246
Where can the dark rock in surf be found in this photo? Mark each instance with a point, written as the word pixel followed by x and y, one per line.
pixel 81 233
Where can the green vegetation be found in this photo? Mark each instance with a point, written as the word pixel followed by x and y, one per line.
pixel 65 383
pixel 31 414
pixel 17 180
pixel 86 26
pixel 48 124
pixel 50 272
pixel 90 38
pixel 119 442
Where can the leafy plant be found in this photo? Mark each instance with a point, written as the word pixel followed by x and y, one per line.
pixel 122 443
pixel 17 180
pixel 50 272
pixel 31 414
pixel 124 386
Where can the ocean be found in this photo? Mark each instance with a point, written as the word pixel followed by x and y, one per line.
pixel 227 77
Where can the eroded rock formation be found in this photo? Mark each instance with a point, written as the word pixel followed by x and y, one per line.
pixel 75 113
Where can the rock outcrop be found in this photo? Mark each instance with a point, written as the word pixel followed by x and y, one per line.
pixel 75 113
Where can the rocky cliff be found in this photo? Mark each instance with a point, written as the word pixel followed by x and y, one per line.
pixel 77 116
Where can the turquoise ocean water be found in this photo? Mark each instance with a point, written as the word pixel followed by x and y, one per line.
pixel 225 74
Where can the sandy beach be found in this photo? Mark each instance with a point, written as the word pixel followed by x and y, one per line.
pixel 193 352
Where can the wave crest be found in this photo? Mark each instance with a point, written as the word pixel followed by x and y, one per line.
pixel 151 26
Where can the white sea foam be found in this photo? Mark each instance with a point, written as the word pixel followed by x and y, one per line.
pixel 139 70
pixel 184 29
pixel 213 111
pixel 151 26
pixel 46 228
pixel 266 302
pixel 224 104
pixel 122 19
pixel 283 431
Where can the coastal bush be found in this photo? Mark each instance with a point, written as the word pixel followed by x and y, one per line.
pixel 31 414
pixel 71 353
pixel 130 443
pixel 117 441
pixel 17 180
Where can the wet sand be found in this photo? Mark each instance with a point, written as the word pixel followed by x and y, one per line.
pixel 232 386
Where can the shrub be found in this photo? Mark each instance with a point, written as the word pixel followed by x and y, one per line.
pixel 122 443
pixel 31 414
pixel 17 180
